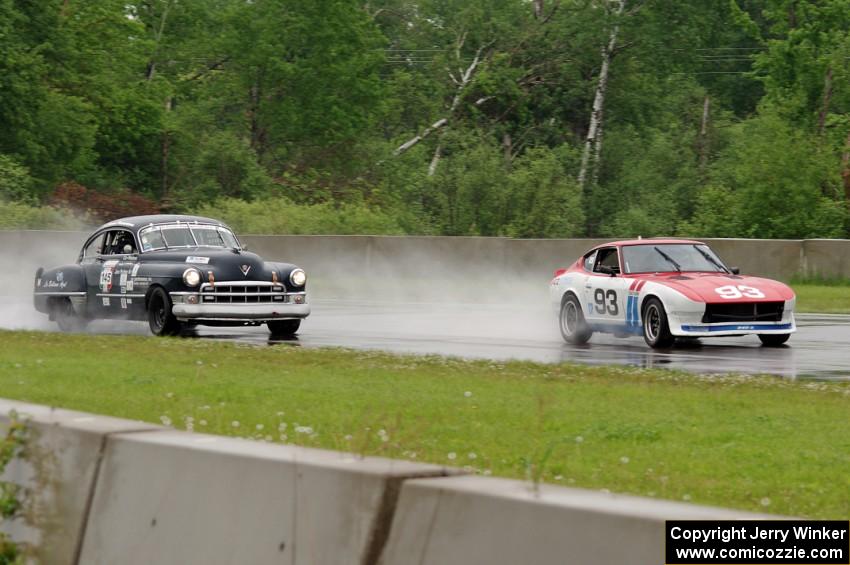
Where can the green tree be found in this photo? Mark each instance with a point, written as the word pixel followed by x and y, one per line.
pixel 543 200
pixel 772 181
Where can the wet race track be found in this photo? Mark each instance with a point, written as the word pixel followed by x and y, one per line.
pixel 818 350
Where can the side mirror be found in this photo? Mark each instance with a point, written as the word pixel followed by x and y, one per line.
pixel 736 270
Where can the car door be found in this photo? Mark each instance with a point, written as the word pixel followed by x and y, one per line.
pixel 130 302
pixel 102 276
pixel 91 261
pixel 606 290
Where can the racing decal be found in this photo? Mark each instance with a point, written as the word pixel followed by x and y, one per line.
pixel 730 292
pixel 606 302
pixel 632 315
pixel 123 303
pixel 106 276
pixel 106 301
pixel 128 279
pixel 198 260
pixel 58 283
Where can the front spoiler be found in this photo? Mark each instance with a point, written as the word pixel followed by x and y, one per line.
pixel 240 312
pixel 705 330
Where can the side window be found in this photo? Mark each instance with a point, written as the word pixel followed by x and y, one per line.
pixel 119 242
pixel 94 247
pixel 589 260
pixel 152 239
pixel 608 258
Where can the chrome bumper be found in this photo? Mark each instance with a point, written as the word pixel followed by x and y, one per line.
pixel 237 312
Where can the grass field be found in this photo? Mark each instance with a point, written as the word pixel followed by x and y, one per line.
pixel 757 443
pixel 823 299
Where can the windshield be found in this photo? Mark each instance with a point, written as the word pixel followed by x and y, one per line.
pixel 661 258
pixel 185 235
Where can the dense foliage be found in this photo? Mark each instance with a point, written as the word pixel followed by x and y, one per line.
pixel 726 118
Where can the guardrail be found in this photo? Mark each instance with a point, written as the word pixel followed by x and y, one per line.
pixel 104 490
pixel 447 256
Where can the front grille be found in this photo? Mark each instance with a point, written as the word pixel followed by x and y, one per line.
pixel 241 293
pixel 743 312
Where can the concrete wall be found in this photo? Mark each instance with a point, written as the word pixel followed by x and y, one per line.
pixel 104 490
pixel 59 471
pixel 463 520
pixel 437 256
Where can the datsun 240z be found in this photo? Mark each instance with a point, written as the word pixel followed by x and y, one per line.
pixel 173 271
pixel 665 289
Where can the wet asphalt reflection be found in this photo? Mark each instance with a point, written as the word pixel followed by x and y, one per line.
pixel 818 350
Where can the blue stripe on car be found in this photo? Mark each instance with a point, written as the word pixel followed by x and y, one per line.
pixel 632 319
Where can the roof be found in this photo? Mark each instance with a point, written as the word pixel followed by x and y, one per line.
pixel 137 222
pixel 651 241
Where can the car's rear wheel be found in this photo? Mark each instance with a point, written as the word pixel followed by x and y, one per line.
pixel 160 318
pixel 656 331
pixel 773 340
pixel 574 328
pixel 283 328
pixel 66 317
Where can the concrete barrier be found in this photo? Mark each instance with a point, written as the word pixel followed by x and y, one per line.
pixel 827 258
pixel 773 258
pixel 175 497
pixel 59 469
pixel 338 256
pixel 463 520
pixel 102 490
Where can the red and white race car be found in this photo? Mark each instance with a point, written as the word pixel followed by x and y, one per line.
pixel 664 289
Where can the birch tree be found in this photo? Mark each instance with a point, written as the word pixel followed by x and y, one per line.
pixel 461 79
pixel 593 141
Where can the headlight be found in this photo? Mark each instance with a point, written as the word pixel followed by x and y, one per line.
pixel 298 277
pixel 192 277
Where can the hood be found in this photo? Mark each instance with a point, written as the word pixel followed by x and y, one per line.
pixel 703 287
pixel 226 265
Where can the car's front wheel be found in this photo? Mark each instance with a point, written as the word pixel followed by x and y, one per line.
pixel 66 317
pixel 574 328
pixel 773 340
pixel 283 328
pixel 656 331
pixel 160 318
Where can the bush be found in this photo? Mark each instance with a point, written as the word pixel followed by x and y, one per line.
pixel 15 181
pixel 282 216
pixel 16 216
pixel 99 206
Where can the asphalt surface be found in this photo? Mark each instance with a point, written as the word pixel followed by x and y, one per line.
pixel 818 350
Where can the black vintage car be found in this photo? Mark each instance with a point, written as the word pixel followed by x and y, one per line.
pixel 173 271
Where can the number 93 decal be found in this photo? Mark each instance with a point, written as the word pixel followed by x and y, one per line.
pixel 730 292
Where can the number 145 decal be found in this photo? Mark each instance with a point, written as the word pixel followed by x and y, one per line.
pixel 731 292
